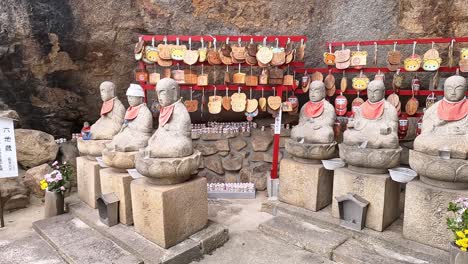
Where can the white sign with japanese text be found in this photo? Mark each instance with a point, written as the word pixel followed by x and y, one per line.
pixel 8 163
pixel 278 122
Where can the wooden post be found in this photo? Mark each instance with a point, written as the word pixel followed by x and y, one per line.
pixel 2 221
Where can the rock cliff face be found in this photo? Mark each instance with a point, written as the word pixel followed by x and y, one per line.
pixel 54 54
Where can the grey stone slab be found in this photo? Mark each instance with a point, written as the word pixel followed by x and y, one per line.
pixel 389 242
pixel 202 242
pixel 78 243
pixel 30 249
pixel 359 252
pixel 311 237
pixel 212 237
pixel 254 247
pixel 124 236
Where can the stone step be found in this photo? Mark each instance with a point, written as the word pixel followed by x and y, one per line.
pixel 311 237
pixel 384 247
pixel 30 249
pixel 79 243
pixel 193 248
pixel 256 247
pixel 355 251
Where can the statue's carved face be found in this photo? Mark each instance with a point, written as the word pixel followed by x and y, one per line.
pixel 168 91
pixel 317 91
pixel 134 100
pixel 455 88
pixel 376 91
pixel 107 90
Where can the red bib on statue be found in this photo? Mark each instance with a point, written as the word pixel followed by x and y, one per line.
pixel 107 106
pixel 449 111
pixel 372 110
pixel 165 114
pixel 314 109
pixel 132 112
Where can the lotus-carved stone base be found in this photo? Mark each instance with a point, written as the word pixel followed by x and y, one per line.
pixel 443 173
pixel 166 171
pixel 367 160
pixel 119 160
pixel 310 153
pixel 91 148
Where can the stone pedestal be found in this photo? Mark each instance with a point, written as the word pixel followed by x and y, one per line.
pixel 118 182
pixel 168 214
pixel 382 193
pixel 426 212
pixel 305 185
pixel 88 180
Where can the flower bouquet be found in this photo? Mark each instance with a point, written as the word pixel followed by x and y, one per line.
pixel 55 183
pixel 458 224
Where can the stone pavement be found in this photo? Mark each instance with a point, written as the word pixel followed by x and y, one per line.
pixel 269 233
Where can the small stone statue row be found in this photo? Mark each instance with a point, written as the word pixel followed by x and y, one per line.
pixel 231 187
pixel 370 144
pixel 123 137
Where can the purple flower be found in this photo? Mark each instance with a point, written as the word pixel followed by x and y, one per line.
pixel 58 176
pixel 55 163
pixel 48 177
pixel 62 188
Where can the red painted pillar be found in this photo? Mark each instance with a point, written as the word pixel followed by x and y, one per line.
pixel 142 66
pixel 276 140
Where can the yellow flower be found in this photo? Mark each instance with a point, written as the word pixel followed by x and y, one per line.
pixel 462 242
pixel 43 184
pixel 460 234
pixel 466 231
pixel 463 249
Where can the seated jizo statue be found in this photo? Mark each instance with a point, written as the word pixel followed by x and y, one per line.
pixel 371 140
pixel 441 150
pixel 169 157
pixel 107 126
pixel 313 138
pixel 134 133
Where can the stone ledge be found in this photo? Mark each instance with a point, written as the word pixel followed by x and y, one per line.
pixel 79 243
pixel 387 245
pixel 193 248
pixel 311 237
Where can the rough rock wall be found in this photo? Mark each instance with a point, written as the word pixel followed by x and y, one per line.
pixel 52 80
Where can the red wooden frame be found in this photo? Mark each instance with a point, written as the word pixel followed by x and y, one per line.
pixel 392 41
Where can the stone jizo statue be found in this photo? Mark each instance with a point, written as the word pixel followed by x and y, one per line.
pixel 112 113
pixel 312 139
pixel 106 127
pixel 316 118
pixel 172 139
pixel 169 157
pixel 441 150
pixel 370 144
pixel 375 123
pixel 134 133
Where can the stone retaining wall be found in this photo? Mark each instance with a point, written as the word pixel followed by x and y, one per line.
pixel 242 157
